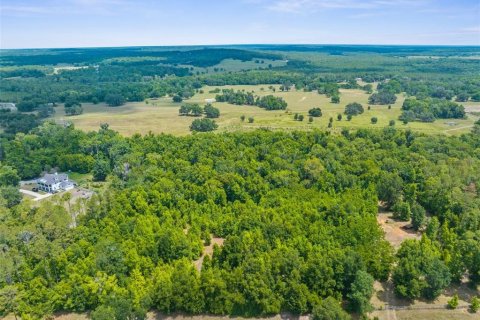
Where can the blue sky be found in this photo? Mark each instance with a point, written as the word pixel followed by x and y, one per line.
pixel 87 23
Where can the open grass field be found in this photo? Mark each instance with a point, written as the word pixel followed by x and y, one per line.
pixel 161 115
pixel 234 65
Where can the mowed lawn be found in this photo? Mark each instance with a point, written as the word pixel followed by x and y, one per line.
pixel 161 115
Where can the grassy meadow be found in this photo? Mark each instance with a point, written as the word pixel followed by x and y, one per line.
pixel 161 115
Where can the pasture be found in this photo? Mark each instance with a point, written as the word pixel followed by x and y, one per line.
pixel 161 115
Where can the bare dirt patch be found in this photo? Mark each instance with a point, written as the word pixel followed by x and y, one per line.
pixel 389 307
pixel 395 231
pixel 208 251
pixel 470 109
pixel 180 316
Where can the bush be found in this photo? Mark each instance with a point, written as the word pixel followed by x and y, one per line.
pixel 453 303
pixel 391 123
pixel 474 304
pixel 250 119
pixel 203 125
pixel 374 120
pixel 242 117
pixel 335 99
pixel 300 117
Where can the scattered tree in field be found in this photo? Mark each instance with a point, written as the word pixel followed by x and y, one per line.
pixel 339 117
pixel 300 117
pixel 310 119
pixel 191 109
pixel 211 111
pixel 335 99
pixel 295 117
pixel 382 97
pixel 271 102
pixel 391 123
pixel 242 117
pixel 177 98
pixel 354 109
pixel 250 119
pixel 349 117
pixel 374 120
pixel 368 88
pixel 203 125
pixel 462 97
pixel 389 106
pixel 73 108
pixel 315 112
pixel 114 99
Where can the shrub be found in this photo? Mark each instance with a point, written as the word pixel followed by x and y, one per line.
pixel 474 304
pixel 453 303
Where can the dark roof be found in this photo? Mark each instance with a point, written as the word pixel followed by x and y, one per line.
pixel 50 179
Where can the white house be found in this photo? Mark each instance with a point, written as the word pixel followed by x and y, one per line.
pixel 8 106
pixel 210 100
pixel 54 182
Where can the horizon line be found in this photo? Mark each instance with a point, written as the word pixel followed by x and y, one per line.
pixel 246 44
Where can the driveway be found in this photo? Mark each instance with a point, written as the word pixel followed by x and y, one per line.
pixel 36 196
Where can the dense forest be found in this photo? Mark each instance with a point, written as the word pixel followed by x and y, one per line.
pixel 290 218
pixel 297 213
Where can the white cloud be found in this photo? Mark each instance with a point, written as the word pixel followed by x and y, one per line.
pixel 100 7
pixel 305 6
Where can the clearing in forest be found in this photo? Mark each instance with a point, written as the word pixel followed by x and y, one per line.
pixel 160 115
